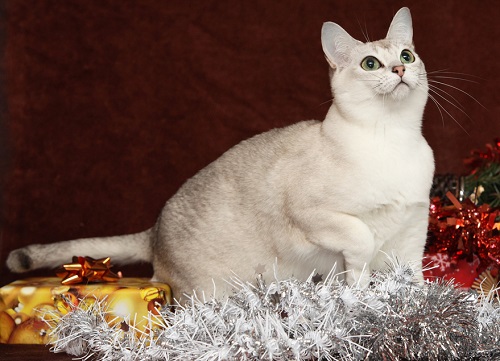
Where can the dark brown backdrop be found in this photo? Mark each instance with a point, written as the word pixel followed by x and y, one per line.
pixel 111 105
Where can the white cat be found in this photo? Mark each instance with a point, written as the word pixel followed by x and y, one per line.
pixel 347 190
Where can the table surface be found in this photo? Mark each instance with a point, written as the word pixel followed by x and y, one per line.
pixel 30 353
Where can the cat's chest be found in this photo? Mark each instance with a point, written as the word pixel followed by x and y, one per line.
pixel 383 175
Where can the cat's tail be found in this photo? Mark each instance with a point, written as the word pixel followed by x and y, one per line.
pixel 121 249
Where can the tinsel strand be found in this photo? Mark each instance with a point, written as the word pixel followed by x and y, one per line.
pixel 392 319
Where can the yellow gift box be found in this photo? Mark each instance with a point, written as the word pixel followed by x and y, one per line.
pixel 26 304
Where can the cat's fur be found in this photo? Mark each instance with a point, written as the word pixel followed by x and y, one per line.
pixel 349 189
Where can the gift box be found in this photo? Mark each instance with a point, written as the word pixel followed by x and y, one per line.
pixel 28 307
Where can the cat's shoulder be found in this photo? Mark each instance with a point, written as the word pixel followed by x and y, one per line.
pixel 305 128
pixel 272 145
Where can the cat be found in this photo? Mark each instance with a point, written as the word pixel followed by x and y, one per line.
pixel 344 191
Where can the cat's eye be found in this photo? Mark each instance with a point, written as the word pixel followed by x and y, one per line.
pixel 370 63
pixel 407 57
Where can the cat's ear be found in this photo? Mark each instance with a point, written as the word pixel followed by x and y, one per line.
pixel 337 44
pixel 401 29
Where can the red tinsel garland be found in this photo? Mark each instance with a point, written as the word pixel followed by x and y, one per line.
pixel 480 158
pixel 463 230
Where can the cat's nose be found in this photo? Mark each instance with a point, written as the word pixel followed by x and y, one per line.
pixel 400 70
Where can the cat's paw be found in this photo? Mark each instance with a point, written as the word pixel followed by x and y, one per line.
pixel 20 260
pixel 359 279
pixel 419 279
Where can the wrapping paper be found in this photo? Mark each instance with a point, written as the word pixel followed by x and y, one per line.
pixel 28 306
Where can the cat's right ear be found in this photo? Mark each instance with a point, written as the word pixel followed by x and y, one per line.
pixel 337 44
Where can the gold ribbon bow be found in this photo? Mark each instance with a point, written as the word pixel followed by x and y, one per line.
pixel 85 270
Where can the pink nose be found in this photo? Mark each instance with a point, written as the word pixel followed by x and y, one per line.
pixel 400 70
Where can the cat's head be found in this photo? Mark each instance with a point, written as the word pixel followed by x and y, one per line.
pixel 386 72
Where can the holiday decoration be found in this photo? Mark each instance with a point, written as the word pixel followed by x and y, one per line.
pixel 488 283
pixel 481 184
pixel 463 240
pixel 480 159
pixel 322 318
pixel 444 183
pixel 465 229
pixel 462 272
pixel 464 223
pixel 391 319
pixel 27 306
pixel 484 178
pixel 87 269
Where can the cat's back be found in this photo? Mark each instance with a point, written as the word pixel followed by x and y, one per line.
pixel 241 193
pixel 249 173
pixel 274 145
pixel 251 161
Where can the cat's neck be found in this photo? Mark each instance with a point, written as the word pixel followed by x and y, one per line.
pixel 373 117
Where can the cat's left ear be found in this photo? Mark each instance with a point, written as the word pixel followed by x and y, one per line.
pixel 401 29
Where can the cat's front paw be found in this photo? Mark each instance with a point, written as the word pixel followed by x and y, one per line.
pixel 419 278
pixel 20 260
pixel 359 279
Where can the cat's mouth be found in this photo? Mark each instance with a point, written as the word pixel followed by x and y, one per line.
pixel 401 83
pixel 401 90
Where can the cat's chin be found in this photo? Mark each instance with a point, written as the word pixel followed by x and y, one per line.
pixel 400 91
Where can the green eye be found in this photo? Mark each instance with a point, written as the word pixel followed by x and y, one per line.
pixel 407 57
pixel 370 63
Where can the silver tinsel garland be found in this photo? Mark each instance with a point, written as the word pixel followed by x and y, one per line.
pixel 392 319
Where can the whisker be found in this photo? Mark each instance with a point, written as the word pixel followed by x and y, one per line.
pixel 460 90
pixel 442 109
pixel 367 34
pixel 435 89
pixel 326 102
pixel 459 107
pixel 438 107
pixel 447 112
pixel 446 72
pixel 455 78
pixel 448 76
pixel 420 85
pixel 364 30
